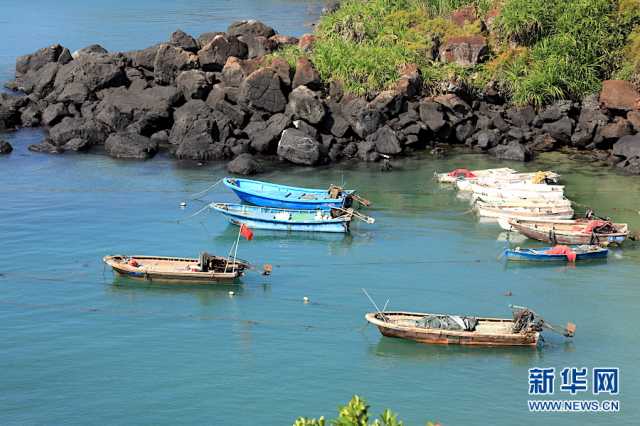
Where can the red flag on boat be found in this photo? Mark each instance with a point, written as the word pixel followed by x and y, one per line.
pixel 246 232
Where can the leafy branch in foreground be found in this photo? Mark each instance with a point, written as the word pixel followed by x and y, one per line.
pixel 355 413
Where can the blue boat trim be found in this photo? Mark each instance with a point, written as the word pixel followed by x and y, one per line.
pixel 539 255
pixel 266 194
pixel 283 219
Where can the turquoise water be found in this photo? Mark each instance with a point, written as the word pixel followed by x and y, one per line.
pixel 80 347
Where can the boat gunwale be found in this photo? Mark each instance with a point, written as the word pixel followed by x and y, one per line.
pixel 265 194
pixel 332 221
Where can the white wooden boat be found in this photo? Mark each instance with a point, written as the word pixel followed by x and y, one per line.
pixel 515 178
pixel 457 174
pixel 579 231
pixel 497 193
pixel 505 222
pixel 522 200
pixel 518 212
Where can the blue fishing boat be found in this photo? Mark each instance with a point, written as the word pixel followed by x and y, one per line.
pixel 557 253
pixel 266 194
pixel 336 220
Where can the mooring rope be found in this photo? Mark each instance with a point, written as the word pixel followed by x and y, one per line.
pixel 207 207
pixel 197 195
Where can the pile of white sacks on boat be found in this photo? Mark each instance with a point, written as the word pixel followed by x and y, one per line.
pixel 505 194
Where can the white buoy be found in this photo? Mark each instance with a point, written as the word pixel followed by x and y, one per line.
pixel 305 299
pixel 183 205
pixel 231 293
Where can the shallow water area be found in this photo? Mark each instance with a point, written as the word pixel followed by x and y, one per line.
pixel 79 345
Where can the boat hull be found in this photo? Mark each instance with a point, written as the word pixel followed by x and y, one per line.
pixel 551 234
pixel 450 337
pixel 538 255
pixel 265 194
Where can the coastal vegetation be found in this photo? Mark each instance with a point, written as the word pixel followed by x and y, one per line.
pixel 354 413
pixel 538 50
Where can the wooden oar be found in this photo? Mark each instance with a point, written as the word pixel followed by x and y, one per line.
pixel 358 215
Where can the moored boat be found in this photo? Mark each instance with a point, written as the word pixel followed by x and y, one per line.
pixel 528 191
pixel 457 174
pixel 522 330
pixel 267 194
pixel 536 178
pixel 557 253
pixel 486 210
pixel 574 232
pixel 334 220
pixel 206 269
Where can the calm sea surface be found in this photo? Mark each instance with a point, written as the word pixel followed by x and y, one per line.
pixel 78 347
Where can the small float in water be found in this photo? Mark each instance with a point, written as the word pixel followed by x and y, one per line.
pixel 207 269
pixel 336 220
pixel 267 194
pixel 524 329
pixel 557 253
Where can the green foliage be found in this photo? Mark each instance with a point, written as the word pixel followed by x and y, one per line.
pixel 355 413
pixel 290 53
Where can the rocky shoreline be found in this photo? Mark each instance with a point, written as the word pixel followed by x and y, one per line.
pixel 222 96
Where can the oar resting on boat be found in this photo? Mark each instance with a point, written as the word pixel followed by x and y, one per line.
pixel 522 330
pixel 335 220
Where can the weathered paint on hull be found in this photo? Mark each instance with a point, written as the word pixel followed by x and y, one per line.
pixel 530 257
pixel 142 276
pixel 257 200
pixel 340 227
pixel 442 338
pixel 570 239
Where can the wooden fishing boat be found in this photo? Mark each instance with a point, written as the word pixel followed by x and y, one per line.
pixel 574 232
pixel 487 210
pixel 540 191
pixel 523 330
pixel 521 198
pixel 457 174
pixel 206 269
pixel 266 194
pixel 509 203
pixel 552 254
pixel 334 220
pixel 505 222
pixel 509 179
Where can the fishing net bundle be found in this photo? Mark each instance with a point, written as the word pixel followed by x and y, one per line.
pixel 448 322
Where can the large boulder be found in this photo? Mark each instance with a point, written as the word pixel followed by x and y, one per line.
pixel 513 151
pixel 619 95
pixel 30 115
pixel 193 84
pixel 334 121
pixel 54 113
pixel 39 82
pixel 92 49
pixel 130 145
pixel 245 165
pixel 214 54
pixel 263 137
pixel 236 70
pixel 299 148
pixel 262 90
pixel 306 104
pixel 201 150
pixel 10 110
pixel 432 115
pixel 634 119
pixel 194 124
pixel 232 112
pixel 306 75
pixel 410 82
pixel 560 130
pixel 184 41
pixel 5 147
pixel 590 121
pixel 627 147
pixel 251 28
pixel 464 50
pixel 34 61
pixel 151 108
pixel 386 141
pixel 258 46
pixel 388 102
pixel 521 117
pixel 170 61
pixel 363 119
pixel 615 130
pixel 143 58
pixel 487 139
pixel 89 131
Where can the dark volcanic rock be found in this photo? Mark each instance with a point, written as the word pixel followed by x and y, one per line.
pixel 130 145
pixel 233 112
pixel 5 147
pixel 591 119
pixel 363 119
pixel 30 115
pixel 214 54
pixel 200 150
pixel 431 115
pixel 634 119
pixel 236 70
pixel 555 111
pixel 194 123
pixel 262 90
pixel 169 61
pixel 10 110
pixel 299 148
pixel 34 61
pixel 306 104
pixel 184 41
pixel 619 95
pixel 40 81
pixel 513 151
pixel 334 121
pixel 89 130
pixel 193 84
pixel 92 49
pixel 244 164
pixel 258 46
pixel 464 50
pixel 522 117
pixel 487 139
pixel 388 102
pixel 143 58
pixel 264 137
pixel 559 130
pixel 367 152
pixel 46 147
pixel 205 38
pixel 306 75
pixel 250 28
pixel 627 147
pixel 619 128
pixel 386 141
